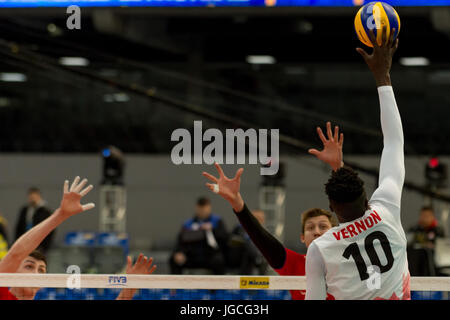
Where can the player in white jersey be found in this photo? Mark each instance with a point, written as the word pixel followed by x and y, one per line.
pixel 365 256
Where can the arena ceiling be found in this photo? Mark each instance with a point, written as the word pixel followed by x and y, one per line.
pixel 152 71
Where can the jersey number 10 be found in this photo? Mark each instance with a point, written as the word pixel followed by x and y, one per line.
pixel 353 250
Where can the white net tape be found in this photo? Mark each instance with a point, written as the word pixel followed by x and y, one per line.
pixel 119 281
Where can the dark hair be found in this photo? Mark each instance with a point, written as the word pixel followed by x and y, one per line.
pixel 316 212
pixel 427 208
pixel 203 201
pixel 38 256
pixel 344 186
pixel 34 190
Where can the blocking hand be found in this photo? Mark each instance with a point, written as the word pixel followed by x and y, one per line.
pixel 143 265
pixel 380 61
pixel 226 187
pixel 332 147
pixel 70 204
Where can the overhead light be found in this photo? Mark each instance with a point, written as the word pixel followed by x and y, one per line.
pixel 441 77
pixel 74 61
pixel 51 27
pixel 295 70
pixel 109 73
pixel 116 97
pixel 121 97
pixel 304 26
pixel 13 77
pixel 54 30
pixel 261 59
pixel 414 61
pixel 108 98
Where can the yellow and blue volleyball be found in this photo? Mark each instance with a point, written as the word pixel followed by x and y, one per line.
pixel 375 15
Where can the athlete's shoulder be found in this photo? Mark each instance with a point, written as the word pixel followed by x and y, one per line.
pixel 387 213
pixel 294 256
pixel 384 206
pixel 294 264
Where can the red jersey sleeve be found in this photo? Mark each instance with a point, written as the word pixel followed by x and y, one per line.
pixel 294 265
pixel 6 295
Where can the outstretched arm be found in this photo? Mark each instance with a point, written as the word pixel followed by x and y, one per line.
pixel 142 266
pixel 392 167
pixel 28 242
pixel 272 249
pixel 268 245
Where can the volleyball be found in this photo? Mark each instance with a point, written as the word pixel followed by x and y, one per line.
pixel 375 15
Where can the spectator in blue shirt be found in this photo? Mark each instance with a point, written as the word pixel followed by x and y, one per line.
pixel 201 242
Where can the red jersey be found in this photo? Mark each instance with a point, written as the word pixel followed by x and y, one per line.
pixel 294 265
pixel 6 295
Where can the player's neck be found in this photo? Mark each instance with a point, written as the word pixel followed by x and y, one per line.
pixel 350 216
pixel 350 212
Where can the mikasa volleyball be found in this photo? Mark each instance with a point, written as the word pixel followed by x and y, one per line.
pixel 374 16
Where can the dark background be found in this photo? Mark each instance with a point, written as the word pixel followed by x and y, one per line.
pixel 196 58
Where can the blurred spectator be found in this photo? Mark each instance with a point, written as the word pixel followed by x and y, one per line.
pixel 243 257
pixel 421 241
pixel 32 214
pixel 3 237
pixel 201 242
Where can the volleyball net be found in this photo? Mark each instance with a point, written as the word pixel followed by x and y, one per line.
pixel 180 287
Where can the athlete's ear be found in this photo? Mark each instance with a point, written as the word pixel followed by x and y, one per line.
pixel 331 207
pixel 302 238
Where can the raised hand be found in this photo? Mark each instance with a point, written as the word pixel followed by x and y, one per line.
pixel 226 187
pixel 143 265
pixel 380 61
pixel 332 147
pixel 70 204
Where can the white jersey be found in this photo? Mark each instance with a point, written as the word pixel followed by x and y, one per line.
pixel 366 258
